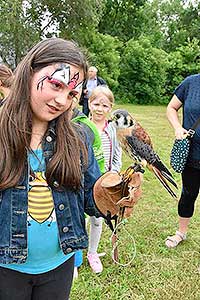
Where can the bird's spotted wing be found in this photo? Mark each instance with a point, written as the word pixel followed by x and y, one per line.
pixel 144 151
pixel 141 134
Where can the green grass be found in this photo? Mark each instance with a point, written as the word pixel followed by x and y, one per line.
pixel 156 273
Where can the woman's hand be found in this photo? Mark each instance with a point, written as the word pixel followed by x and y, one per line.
pixel 180 133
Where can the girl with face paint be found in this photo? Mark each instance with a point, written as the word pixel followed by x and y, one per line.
pixel 100 105
pixel 47 171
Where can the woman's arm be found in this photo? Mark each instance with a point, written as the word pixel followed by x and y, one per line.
pixel 172 115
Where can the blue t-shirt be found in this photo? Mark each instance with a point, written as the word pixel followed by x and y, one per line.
pixel 188 92
pixel 44 252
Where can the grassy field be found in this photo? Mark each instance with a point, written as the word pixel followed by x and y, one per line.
pixel 156 273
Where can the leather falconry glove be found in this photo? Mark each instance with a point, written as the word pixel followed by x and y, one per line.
pixel 114 191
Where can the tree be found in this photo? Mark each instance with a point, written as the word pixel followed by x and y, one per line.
pixel 182 63
pixel 178 21
pixel 143 73
pixel 76 20
pixel 122 18
pixel 17 32
pixel 103 52
pixel 25 22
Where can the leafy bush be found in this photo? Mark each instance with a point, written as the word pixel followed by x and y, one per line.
pixel 103 52
pixel 182 62
pixel 143 73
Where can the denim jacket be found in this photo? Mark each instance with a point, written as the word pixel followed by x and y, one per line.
pixel 69 207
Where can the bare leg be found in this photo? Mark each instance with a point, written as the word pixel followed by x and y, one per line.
pixel 180 235
pixel 183 224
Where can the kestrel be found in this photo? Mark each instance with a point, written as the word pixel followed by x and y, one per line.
pixel 136 142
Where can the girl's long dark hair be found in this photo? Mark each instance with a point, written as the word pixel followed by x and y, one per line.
pixel 16 120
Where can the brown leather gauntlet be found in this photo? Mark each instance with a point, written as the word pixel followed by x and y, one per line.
pixel 114 190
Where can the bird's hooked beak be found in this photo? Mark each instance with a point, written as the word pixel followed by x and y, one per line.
pixel 112 118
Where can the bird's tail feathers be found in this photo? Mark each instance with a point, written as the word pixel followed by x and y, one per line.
pixel 158 164
pixel 170 179
pixel 163 181
pixel 161 167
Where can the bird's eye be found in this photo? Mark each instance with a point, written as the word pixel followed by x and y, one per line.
pixel 117 116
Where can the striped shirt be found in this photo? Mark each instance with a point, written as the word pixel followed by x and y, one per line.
pixel 106 144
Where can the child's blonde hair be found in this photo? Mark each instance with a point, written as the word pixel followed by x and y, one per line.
pixel 102 89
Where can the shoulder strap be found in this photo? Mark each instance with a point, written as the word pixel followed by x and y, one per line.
pixel 196 124
pixel 191 131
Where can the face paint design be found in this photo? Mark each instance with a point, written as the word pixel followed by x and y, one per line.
pixel 78 88
pixel 62 76
pixel 100 107
pixel 73 82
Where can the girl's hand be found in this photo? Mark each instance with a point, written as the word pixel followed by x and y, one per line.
pixel 180 133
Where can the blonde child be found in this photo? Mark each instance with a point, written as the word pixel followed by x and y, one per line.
pixel 100 105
